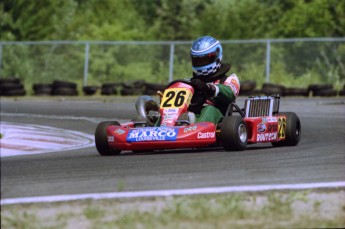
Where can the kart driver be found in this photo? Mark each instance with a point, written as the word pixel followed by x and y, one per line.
pixel 209 76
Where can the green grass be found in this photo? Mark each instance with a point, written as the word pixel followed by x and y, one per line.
pixel 278 209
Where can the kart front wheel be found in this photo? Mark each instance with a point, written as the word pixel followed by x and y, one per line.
pixel 292 130
pixel 101 139
pixel 233 134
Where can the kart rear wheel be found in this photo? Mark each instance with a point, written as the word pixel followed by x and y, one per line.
pixel 101 139
pixel 292 131
pixel 233 133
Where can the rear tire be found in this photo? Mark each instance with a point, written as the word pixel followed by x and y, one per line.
pixel 292 131
pixel 101 139
pixel 233 134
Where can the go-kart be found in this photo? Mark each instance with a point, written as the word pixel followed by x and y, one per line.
pixel 170 125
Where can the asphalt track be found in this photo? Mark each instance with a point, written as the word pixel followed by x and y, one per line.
pixel 320 156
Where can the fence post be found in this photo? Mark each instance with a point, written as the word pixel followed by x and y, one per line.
pixel 268 60
pixel 86 63
pixel 0 58
pixel 171 61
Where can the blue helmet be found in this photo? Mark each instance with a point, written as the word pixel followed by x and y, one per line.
pixel 206 54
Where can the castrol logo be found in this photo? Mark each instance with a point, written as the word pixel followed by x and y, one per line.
pixel 203 135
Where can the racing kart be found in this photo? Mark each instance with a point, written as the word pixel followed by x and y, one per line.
pixel 169 125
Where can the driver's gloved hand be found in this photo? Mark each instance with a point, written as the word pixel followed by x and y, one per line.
pixel 207 89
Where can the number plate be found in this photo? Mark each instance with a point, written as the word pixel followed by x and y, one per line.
pixel 176 98
pixel 281 127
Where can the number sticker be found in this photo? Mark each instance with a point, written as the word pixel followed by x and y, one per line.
pixel 175 98
pixel 281 128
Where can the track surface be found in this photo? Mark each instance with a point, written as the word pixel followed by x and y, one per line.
pixel 320 156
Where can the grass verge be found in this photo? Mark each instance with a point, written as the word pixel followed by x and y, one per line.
pixel 273 209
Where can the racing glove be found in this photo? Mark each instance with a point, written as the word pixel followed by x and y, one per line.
pixel 208 89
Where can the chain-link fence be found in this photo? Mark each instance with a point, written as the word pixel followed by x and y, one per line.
pixel 290 62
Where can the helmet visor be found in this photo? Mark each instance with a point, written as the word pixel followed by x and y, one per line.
pixel 198 61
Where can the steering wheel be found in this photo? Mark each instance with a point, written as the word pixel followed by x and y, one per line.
pixel 199 97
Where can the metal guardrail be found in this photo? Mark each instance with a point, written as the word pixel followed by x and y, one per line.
pixel 172 53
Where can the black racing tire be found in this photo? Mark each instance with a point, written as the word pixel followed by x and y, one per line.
pixel 314 89
pixel 246 93
pixel 133 84
pixel 43 92
pixel 270 89
pixel 257 92
pixel 40 86
pixel 131 91
pixel 101 139
pixel 11 86
pixel 233 133
pixel 149 92
pixel 14 92
pixel 296 91
pixel 327 93
pixel 108 91
pixel 9 80
pixel 90 90
pixel 139 84
pixel 65 91
pixel 292 130
pixel 111 84
pixel 42 89
pixel 155 87
pixel 110 88
pixel 342 92
pixel 64 84
pixel 247 87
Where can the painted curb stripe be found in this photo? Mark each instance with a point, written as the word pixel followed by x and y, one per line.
pixel 162 193
pixel 25 139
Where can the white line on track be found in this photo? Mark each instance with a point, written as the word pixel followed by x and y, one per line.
pixel 162 193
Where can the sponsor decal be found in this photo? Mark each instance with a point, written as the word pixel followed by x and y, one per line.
pixel 272 127
pixel 268 125
pixel 269 119
pixel 261 127
pixel 202 135
pixel 272 119
pixel 170 111
pixel 190 128
pixel 266 137
pixel 203 124
pixel 111 139
pixel 152 134
pixel 167 119
pixel 119 131
pixel 168 116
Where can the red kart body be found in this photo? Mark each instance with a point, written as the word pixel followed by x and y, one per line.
pixel 151 138
pixel 259 122
pixel 264 129
pixel 174 102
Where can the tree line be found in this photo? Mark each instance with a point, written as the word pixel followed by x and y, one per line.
pixel 138 20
